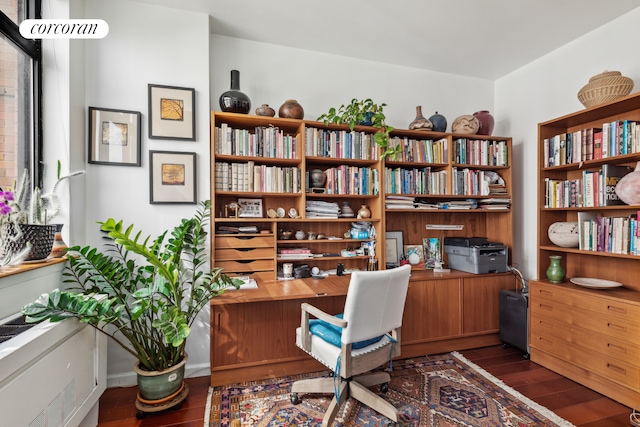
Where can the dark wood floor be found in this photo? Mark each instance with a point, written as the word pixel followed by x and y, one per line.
pixel 573 402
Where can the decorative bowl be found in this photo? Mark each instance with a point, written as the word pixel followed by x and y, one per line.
pixel 564 234
pixel 605 87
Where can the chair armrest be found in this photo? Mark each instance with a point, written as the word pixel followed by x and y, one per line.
pixel 308 309
pixel 316 312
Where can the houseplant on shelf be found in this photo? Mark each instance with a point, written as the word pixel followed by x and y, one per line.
pixel 26 231
pixel 143 293
pixel 364 112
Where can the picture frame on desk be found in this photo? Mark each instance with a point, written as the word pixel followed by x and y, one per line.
pixel 172 177
pixel 250 208
pixel 114 137
pixel 394 248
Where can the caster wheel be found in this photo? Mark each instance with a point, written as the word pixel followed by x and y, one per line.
pixel 384 387
pixel 505 345
pixel 295 399
pixel 140 415
pixel 526 356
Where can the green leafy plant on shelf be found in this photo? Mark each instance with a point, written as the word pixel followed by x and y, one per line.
pixel 143 293
pixel 368 113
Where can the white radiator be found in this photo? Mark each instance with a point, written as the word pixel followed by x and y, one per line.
pixel 53 373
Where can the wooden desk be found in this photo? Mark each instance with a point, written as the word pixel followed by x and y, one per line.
pixel 253 330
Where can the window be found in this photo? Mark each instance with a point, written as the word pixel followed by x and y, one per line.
pixel 20 94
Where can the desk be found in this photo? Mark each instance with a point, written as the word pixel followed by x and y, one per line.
pixel 253 330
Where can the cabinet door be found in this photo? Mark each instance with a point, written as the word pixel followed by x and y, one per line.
pixel 432 310
pixel 481 302
pixel 260 331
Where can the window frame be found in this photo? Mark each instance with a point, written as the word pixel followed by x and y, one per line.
pixel 10 31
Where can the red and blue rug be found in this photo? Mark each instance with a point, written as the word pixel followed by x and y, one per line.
pixel 444 390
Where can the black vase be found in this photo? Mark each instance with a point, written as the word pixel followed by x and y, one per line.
pixel 234 101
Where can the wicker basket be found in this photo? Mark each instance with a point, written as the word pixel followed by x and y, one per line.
pixel 605 87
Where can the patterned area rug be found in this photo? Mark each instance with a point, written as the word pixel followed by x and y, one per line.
pixel 443 390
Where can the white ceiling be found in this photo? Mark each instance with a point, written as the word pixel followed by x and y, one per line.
pixel 479 38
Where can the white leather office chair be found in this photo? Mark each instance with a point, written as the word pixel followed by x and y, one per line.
pixel 365 337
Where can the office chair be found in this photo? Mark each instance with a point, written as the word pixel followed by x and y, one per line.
pixel 364 337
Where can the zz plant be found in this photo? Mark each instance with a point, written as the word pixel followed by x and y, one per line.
pixel 145 294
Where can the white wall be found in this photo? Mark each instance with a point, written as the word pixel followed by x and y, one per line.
pixel 545 89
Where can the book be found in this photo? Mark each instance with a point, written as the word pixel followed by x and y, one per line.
pixel 611 175
pixel 433 251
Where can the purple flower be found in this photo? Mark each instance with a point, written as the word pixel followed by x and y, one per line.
pixel 4 209
pixel 6 196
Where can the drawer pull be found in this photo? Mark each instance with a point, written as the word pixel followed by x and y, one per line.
pixel 545 324
pixel 545 292
pixel 244 261
pixel 617 348
pixel 544 340
pixel 545 307
pixel 616 368
pixel 245 249
pixel 219 322
pixel 617 309
pixel 617 327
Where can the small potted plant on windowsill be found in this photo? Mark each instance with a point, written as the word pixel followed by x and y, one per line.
pixel 367 113
pixel 26 231
pixel 143 293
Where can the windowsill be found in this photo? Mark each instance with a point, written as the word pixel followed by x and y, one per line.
pixel 10 271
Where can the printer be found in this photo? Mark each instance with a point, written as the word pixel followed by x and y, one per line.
pixel 475 255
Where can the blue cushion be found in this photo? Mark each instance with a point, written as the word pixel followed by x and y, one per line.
pixel 332 333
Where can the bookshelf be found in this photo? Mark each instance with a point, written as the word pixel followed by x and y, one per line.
pixel 589 335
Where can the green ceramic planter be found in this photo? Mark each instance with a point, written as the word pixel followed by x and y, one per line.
pixel 156 385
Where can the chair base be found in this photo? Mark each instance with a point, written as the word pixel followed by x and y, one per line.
pixel 355 387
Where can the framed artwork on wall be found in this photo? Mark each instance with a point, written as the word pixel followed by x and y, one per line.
pixel 114 137
pixel 172 177
pixel 172 112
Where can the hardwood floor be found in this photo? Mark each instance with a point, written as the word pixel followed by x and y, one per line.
pixel 573 402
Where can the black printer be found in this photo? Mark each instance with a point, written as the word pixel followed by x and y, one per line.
pixel 476 255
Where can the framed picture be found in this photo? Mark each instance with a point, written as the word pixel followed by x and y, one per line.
pixel 394 248
pixel 250 208
pixel 114 137
pixel 415 256
pixel 172 177
pixel 172 112
pixel 432 251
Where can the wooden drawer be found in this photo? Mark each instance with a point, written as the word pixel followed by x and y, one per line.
pixel 604 344
pixel 242 266
pixel 606 325
pixel 235 242
pixel 610 307
pixel 244 254
pixel 612 368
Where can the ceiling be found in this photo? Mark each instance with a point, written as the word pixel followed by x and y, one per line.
pixel 478 38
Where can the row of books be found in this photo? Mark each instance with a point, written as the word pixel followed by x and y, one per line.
pixel 415 181
pixel 618 235
pixel 248 177
pixel 614 138
pixel 262 141
pixel 480 152
pixel 420 150
pixel 340 144
pixel 469 182
pixel 594 188
pixel 347 179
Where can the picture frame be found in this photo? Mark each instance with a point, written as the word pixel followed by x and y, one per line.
pixel 432 252
pixel 172 112
pixel 250 208
pixel 415 256
pixel 394 247
pixel 172 177
pixel 114 137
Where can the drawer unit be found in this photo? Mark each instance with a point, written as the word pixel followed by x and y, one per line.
pixel 590 336
pixel 245 254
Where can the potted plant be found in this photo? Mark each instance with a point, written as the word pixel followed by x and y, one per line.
pixel 143 293
pixel 26 231
pixel 367 113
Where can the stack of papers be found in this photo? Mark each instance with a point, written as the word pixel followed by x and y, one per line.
pixel 321 209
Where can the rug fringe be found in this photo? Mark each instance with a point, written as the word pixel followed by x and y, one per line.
pixel 530 403
pixel 207 410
